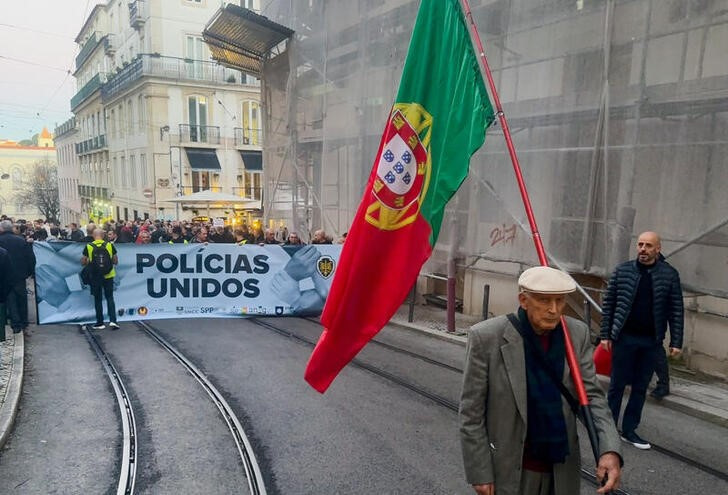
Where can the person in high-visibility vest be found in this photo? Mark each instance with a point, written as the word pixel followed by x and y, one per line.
pixel 177 236
pixel 240 238
pixel 104 279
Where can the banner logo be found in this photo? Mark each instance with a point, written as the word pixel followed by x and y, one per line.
pixel 402 168
pixel 325 266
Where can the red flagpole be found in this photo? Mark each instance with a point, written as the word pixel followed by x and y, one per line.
pixel 570 354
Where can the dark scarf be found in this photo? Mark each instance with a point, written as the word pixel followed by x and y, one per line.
pixel 546 438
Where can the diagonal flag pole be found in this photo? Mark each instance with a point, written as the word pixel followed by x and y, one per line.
pixel 570 354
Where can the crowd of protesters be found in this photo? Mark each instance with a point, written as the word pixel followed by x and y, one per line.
pixel 167 231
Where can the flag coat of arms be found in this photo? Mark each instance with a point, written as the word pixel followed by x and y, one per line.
pixel 437 122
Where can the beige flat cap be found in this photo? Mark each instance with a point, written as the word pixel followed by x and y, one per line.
pixel 546 280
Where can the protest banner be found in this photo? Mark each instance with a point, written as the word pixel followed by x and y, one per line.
pixel 155 281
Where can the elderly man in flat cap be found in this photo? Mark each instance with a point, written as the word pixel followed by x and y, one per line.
pixel 517 430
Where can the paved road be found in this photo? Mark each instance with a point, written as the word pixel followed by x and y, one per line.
pixel 66 437
pixel 365 435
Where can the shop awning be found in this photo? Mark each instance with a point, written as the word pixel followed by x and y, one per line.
pixel 210 199
pixel 202 159
pixel 241 39
pixel 253 160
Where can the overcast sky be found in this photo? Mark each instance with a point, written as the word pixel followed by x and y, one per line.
pixel 36 51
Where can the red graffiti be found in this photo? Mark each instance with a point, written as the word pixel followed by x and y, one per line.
pixel 502 234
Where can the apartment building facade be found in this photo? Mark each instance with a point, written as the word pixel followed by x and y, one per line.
pixel 68 172
pixel 155 120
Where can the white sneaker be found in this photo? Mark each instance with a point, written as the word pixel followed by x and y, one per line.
pixel 99 326
pixel 635 440
pixel 113 325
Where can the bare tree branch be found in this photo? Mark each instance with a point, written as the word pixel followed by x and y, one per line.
pixel 41 190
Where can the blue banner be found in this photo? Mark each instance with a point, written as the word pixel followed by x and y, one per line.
pixel 156 281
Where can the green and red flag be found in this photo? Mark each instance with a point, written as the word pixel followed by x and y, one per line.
pixel 436 124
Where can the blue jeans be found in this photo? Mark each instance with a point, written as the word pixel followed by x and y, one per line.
pixel 633 362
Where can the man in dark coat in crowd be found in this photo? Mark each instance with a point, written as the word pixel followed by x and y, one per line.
pixel 4 288
pixel 22 266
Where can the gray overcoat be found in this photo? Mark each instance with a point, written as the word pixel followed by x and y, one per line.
pixel 493 414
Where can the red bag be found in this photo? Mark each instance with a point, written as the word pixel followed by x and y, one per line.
pixel 603 360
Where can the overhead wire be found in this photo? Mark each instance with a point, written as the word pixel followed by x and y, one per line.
pixel 23 28
pixel 28 62
pixel 68 71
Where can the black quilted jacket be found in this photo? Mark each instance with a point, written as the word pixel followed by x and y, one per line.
pixel 667 300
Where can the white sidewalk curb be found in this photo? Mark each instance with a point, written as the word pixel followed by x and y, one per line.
pixel 9 408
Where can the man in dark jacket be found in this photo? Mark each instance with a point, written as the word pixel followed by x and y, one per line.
pixel 22 262
pixel 5 268
pixel 75 235
pixel 643 297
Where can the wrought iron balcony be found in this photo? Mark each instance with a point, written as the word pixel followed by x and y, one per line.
pixel 177 69
pixel 91 145
pixel 87 90
pixel 245 136
pixel 66 127
pixel 199 134
pixel 88 47
pixel 137 13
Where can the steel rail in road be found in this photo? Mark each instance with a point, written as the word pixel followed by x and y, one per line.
pixel 256 483
pixel 658 448
pixel 400 350
pixel 442 401
pixel 127 475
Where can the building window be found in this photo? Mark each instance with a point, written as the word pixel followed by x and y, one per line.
pixel 200 181
pixel 130 127
pixel 252 5
pixel 123 173
pixel 253 181
pixel 143 172
pixel 142 113
pixel 197 111
pixel 17 178
pixel 132 171
pixel 251 123
pixel 120 122
pixel 195 54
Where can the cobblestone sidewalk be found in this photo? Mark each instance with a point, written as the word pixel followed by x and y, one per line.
pixel 6 362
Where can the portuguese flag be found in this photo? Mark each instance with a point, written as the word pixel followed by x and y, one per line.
pixel 437 123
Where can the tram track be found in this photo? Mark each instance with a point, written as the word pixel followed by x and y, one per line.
pixel 658 448
pixel 127 475
pixel 253 474
pixel 453 406
pixel 129 459
pixel 442 401
pixel 400 350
